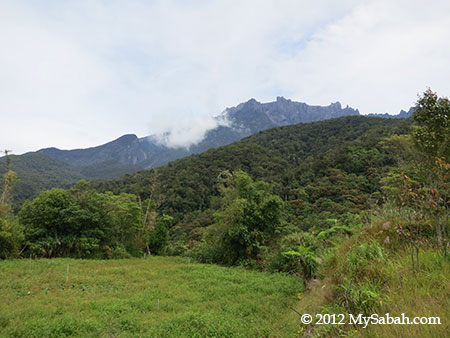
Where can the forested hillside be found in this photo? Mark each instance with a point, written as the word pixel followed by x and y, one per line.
pixel 38 171
pixel 323 169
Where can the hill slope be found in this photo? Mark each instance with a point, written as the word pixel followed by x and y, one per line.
pixel 331 166
pixel 39 171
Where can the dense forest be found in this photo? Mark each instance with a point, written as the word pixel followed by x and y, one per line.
pixel 333 199
pixel 321 171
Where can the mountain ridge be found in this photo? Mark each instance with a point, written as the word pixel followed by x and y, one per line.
pixel 129 153
pixel 233 124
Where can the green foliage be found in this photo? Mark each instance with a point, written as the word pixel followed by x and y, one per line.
pixel 432 135
pixel 281 262
pixel 422 181
pixel 359 276
pixel 123 221
pixel 359 257
pixel 323 170
pixel 11 237
pixel 51 224
pixel 363 297
pixel 81 223
pixel 248 220
pixel 160 235
pixel 328 234
pixel 306 259
pixel 9 179
pixel 11 232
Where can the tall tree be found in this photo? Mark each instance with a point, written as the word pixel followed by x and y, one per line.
pixel 11 232
pixel 432 115
pixel 248 220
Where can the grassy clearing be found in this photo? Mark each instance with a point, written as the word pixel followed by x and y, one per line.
pixel 119 298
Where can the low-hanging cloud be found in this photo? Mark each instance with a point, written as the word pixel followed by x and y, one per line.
pixel 189 132
pixel 80 73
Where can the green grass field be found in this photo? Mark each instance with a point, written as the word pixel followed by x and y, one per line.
pixel 119 298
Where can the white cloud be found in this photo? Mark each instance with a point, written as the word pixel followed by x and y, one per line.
pixel 80 73
pixel 376 58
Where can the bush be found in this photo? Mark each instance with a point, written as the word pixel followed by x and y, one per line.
pixel 359 278
pixel 248 221
pixel 360 256
pixel 291 263
pixel 306 260
pixel 203 252
pixel 158 238
pixel 11 237
pixel 363 297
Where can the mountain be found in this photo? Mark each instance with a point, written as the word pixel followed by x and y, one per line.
pixel 252 116
pixel 52 167
pixel 126 149
pixel 233 124
pixel 402 115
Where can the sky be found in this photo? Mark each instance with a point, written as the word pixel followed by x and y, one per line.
pixel 75 74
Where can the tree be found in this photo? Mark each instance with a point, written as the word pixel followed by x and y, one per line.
pixel 52 223
pixel 160 235
pixel 11 232
pixel 248 220
pixel 432 136
pixel 422 182
pixel 124 221
pixel 82 223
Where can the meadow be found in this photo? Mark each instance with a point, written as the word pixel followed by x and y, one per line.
pixel 151 297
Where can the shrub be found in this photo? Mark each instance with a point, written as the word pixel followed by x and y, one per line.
pixel 306 260
pixel 359 297
pixel 11 237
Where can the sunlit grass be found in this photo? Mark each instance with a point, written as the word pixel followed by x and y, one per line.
pixel 155 297
pixel 424 293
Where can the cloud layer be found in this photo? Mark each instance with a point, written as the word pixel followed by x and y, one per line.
pixel 79 73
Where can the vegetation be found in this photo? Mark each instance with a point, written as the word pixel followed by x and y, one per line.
pixel 322 171
pixel 245 225
pixel 398 262
pixel 38 171
pixel 84 223
pixel 153 297
pixel 11 232
pixel 345 205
